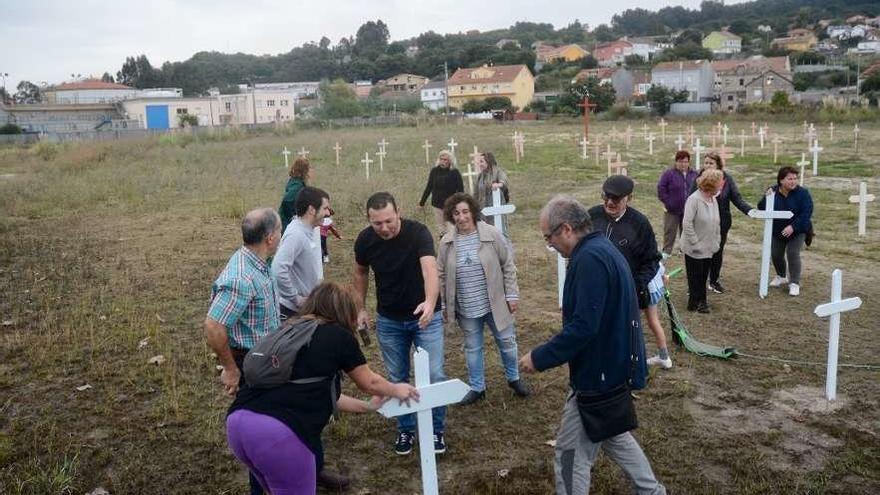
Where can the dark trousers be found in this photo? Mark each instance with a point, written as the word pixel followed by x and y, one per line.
pixel 790 250
pixel 718 258
pixel 697 276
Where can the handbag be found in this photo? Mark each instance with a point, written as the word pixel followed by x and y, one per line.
pixel 608 414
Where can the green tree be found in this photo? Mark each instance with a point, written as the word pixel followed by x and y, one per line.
pixel 603 95
pixel 338 100
pixel 371 38
pixel 472 106
pixel 780 101
pixel 10 128
pixel 187 120
pixel 498 103
pixel 107 78
pixel 661 98
pixel 27 92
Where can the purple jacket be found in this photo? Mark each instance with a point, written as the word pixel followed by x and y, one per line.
pixel 674 189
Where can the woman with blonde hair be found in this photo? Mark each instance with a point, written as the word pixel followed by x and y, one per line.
pixel 276 431
pixel 444 180
pixel 701 236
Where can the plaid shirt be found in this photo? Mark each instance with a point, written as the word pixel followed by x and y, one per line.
pixel 243 300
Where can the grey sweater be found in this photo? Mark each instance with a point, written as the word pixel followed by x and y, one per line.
pixel 297 267
pixel 700 227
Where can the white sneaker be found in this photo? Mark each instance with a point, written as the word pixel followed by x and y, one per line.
pixel 326 259
pixel 657 361
pixel 794 289
pixel 778 281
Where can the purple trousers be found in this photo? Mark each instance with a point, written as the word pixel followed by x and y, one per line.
pixel 275 455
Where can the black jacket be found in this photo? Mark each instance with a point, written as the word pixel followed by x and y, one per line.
pixel 633 236
pixel 442 183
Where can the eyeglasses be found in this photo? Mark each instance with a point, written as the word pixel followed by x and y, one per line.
pixel 552 232
pixel 608 198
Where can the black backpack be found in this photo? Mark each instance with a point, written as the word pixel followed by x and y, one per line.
pixel 270 363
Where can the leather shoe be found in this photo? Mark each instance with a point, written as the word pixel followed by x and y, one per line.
pixel 519 388
pixel 472 396
pixel 332 481
pixel 703 308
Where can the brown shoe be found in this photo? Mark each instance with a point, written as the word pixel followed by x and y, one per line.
pixel 333 481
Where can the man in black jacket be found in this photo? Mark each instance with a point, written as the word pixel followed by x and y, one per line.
pixel 631 233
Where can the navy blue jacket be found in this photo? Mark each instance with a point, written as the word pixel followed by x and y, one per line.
pixel 798 202
pixel 600 320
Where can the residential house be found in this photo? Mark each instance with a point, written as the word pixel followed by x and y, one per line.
pixel 866 47
pixel 362 88
pixel 507 41
pixel 612 53
pixel 641 83
pixel 798 40
pixel 513 81
pixel 568 53
pixel 722 43
pixel 88 91
pixel 755 79
pixel 433 95
pixel 628 85
pixel 299 89
pixel 694 76
pixel 65 118
pixel 254 106
pixel 826 46
pixel 645 47
pixel 410 83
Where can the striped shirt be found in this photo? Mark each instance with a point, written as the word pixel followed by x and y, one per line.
pixel 472 292
pixel 243 300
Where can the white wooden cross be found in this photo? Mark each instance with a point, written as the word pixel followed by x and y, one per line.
pixel 596 146
pixel 366 162
pixel 303 152
pixel 584 144
pixel 431 395
pixel 498 210
pixel 452 144
pixel 803 163
pixel 381 154
pixel 714 136
pixel 862 199
pixel 663 125
pixel 815 149
pixel 515 147
pixel 697 150
pixel 382 144
pixel 754 126
pixel 724 131
pixel 805 127
pixel 628 135
pixel 768 215
pixel 831 131
pixel 472 172
pixel 427 146
pixel 725 154
pixel 619 167
pixel 645 129
pixel 650 138
pixel 761 134
pixel 776 141
pixel 337 148
pixel 519 140
pixel 833 309
pixel 691 135
pixel 811 133
pixel 286 153
pixel 856 131
pixel 680 142
pixel 609 155
pixel 742 143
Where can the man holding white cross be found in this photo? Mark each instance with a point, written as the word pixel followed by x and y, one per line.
pixel 401 254
pixel 601 340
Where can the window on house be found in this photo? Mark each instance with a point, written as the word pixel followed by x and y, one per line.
pixel 285 103
pixel 182 111
pixel 270 103
pixel 742 82
pixel 228 106
pixel 729 97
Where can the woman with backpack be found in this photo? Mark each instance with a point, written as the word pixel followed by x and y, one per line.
pixel 276 430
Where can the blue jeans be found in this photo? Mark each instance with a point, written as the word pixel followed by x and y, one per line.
pixel 473 349
pixel 396 341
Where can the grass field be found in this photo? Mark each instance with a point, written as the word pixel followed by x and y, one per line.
pixel 107 253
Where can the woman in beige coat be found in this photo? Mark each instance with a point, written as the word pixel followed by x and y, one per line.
pixel 478 286
pixel 701 236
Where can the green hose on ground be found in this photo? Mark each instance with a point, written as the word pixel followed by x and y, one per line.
pixel 682 337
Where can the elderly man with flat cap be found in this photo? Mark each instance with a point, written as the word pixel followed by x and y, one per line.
pixel 631 233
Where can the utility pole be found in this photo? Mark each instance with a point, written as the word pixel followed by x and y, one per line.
pixel 446 93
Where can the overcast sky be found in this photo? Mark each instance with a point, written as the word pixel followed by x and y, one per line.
pixel 48 40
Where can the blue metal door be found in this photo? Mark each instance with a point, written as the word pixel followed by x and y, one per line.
pixel 157 117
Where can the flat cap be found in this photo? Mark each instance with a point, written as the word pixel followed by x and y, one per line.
pixel 618 186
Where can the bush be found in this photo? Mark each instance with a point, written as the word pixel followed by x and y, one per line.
pixel 10 129
pixel 187 120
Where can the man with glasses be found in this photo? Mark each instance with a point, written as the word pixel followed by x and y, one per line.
pixel 601 342
pixel 631 233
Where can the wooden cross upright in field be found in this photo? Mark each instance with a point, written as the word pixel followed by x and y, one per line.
pixel 815 149
pixel 366 162
pixel 618 166
pixel 628 135
pixel 431 395
pixel 714 136
pixel 691 134
pixel 519 140
pixel 498 210
pixel 337 148
pixel 803 163
pixel 614 134
pixel 768 215
pixel 587 106
pixel 650 138
pixel 724 131
pixel 862 199
pixel 776 142
pixel 725 154
pixel 833 309
pixel 697 150
pixel 761 135
pixel 810 134
pixel 381 154
pixel 742 143
pixel 303 152
pixel 856 132
pixel 680 142
pixel 805 127
pixel 608 154
pixel 663 125
pixel 452 144
pixel 645 129
pixel 427 147
pixel 597 143
pixel 383 143
pixel 472 172
pixel 286 154
pixel 583 145
pixel 831 131
pixel 754 126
